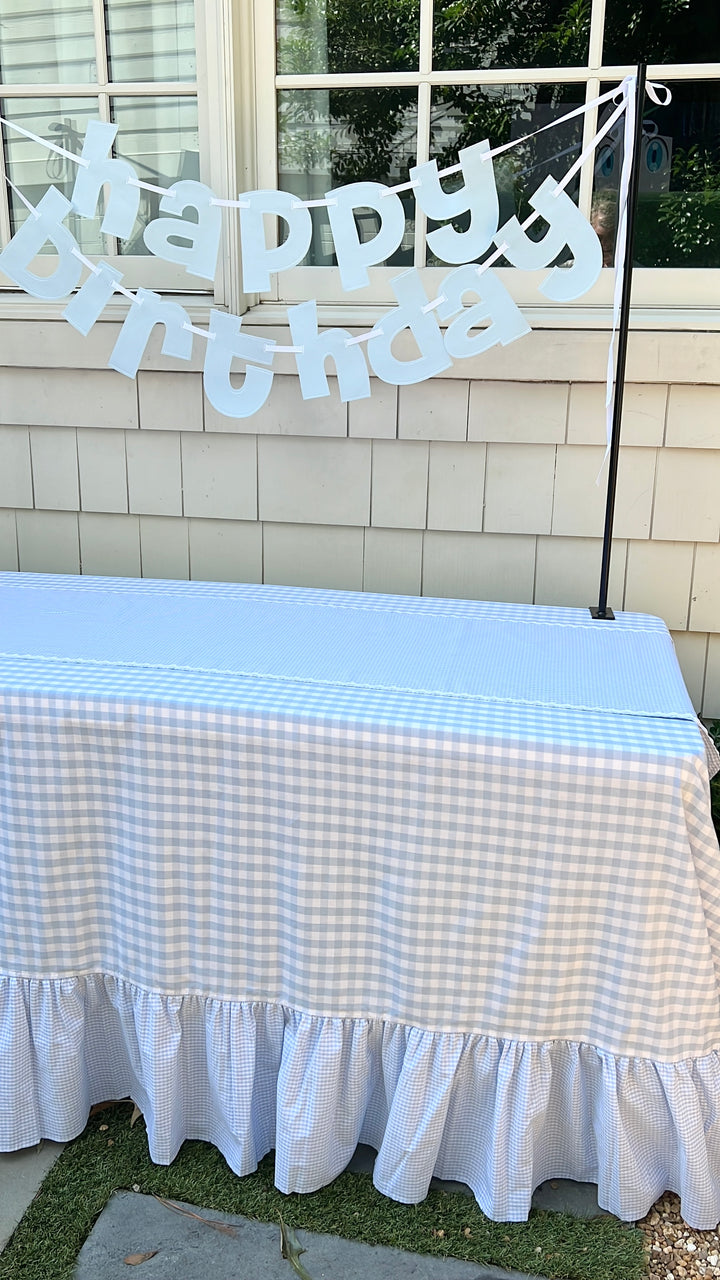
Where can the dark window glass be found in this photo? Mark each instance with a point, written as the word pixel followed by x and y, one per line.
pixel 315 36
pixel 330 137
pixel 528 33
pixel 678 216
pixel 661 31
pixel 466 114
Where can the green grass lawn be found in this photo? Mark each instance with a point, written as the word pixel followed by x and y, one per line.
pixel 110 1156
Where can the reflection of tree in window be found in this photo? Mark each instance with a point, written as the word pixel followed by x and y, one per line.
pixel 347 35
pixel 327 138
pixel 678 217
pixel 466 114
pixel 355 134
pixel 527 33
pixel 661 31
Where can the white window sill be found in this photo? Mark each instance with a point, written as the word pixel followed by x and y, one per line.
pixel 18 306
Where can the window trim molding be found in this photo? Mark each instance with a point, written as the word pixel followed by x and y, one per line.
pixel 237 120
pixel 688 289
pixel 138 270
pixel 17 306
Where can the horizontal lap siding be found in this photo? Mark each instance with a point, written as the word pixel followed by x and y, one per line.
pixel 481 483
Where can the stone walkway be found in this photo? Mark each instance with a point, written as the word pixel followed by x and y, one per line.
pixel 183 1246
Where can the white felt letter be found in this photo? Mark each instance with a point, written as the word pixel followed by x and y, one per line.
pixel 354 257
pixel 200 257
pixel 122 206
pixel 86 305
pixel 353 378
pixel 257 260
pixel 149 310
pixel 478 197
pixel 45 224
pixel 495 305
pixel 423 326
pixel 229 341
pixel 567 227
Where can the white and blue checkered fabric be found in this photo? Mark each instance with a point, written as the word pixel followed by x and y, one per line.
pixel 300 869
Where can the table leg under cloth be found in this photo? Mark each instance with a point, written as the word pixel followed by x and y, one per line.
pixel 301 870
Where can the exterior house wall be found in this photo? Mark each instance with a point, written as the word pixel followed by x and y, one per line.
pixel 480 483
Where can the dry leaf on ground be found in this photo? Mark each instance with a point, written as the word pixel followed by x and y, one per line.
pixel 225 1227
pixel 134 1259
pixel 103 1106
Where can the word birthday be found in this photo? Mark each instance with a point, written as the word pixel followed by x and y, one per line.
pixel 195 244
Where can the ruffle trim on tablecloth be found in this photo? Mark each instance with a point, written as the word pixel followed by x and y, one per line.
pixel 501 1116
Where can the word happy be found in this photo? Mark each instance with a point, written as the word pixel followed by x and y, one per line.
pixel 195 244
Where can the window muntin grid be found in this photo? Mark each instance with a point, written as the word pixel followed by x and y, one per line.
pixel 511 67
pixel 53 84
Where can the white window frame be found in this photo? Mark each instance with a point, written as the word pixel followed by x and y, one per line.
pixel 236 90
pixel 658 288
pixel 146 270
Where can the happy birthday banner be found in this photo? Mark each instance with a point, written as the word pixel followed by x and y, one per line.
pixel 494 308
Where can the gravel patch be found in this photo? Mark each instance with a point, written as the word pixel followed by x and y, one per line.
pixel 675 1250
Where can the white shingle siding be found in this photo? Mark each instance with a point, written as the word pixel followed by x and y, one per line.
pixel 479 483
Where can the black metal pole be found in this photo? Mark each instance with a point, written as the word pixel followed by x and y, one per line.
pixel 602 611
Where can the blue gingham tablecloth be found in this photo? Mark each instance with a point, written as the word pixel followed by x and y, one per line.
pixel 302 869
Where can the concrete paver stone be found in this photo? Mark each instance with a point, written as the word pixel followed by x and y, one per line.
pixel 21 1174
pixel 186 1249
pixel 133 1224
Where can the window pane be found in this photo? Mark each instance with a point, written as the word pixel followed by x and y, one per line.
pixel 330 137
pixel 482 33
pixel 159 136
pixel 678 216
pixel 347 35
pixel 47 43
pixel 33 169
pixel 151 40
pixel 464 114
pixel 662 31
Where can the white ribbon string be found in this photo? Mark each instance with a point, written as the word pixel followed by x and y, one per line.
pixel 148 186
pixel 51 146
pixel 577 111
pixel 402 186
pixel 652 87
pixel 91 266
pixel 30 207
pixel 494 256
pixel 436 302
pixel 590 148
pixel 313 204
pixel 364 337
pixel 120 288
pixel 202 333
pixel 658 93
pixel 230 204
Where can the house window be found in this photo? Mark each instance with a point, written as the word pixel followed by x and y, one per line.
pixel 363 89
pixel 129 62
pixel 307 95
